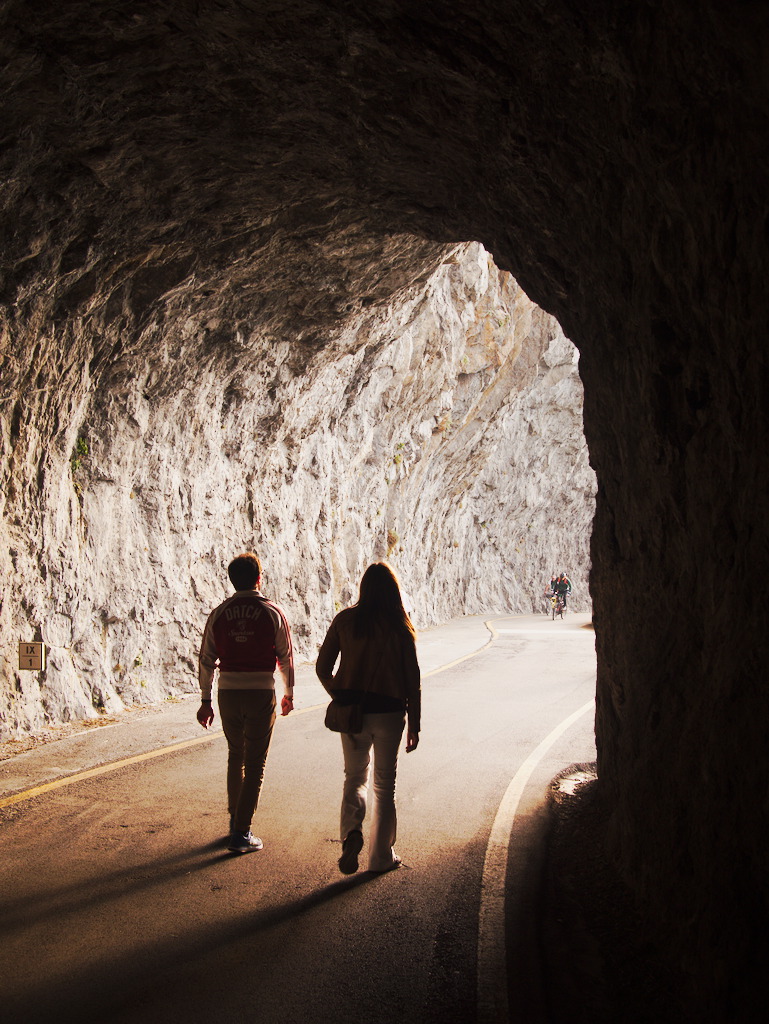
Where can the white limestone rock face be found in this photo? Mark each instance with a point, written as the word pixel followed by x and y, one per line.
pixel 441 431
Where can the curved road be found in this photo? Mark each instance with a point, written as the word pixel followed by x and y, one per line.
pixel 119 903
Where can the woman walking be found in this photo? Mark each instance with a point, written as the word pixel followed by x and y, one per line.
pixel 379 668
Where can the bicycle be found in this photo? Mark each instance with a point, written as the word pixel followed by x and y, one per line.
pixel 558 602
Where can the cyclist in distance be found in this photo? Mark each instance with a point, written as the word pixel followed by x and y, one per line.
pixel 563 586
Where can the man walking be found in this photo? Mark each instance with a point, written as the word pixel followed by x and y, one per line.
pixel 246 638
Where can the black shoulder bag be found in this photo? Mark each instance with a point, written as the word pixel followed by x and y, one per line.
pixel 345 717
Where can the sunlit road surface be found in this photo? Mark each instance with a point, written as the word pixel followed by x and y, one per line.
pixel 119 902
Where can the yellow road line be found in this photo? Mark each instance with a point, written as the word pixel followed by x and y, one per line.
pixel 91 773
pixel 466 657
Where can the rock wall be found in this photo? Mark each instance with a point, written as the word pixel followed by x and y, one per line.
pixel 441 430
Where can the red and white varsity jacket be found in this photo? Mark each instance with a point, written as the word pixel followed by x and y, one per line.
pixel 246 638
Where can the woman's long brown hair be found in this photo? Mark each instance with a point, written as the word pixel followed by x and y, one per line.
pixel 380 603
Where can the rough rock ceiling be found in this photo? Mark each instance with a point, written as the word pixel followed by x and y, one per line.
pixel 146 142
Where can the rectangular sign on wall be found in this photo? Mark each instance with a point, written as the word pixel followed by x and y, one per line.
pixel 32 656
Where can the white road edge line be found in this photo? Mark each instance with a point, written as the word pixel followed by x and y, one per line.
pixel 493 1003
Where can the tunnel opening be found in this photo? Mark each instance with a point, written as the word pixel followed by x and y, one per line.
pixel 441 430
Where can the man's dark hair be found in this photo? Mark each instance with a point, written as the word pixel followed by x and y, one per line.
pixel 244 571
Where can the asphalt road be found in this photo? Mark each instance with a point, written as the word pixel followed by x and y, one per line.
pixel 119 902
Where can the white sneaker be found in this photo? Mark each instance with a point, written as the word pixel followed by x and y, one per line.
pixel 244 842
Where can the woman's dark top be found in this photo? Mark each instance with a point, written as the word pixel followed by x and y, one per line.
pixel 382 666
pixel 373 703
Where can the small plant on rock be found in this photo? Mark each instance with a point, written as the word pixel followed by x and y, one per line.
pixel 80 452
